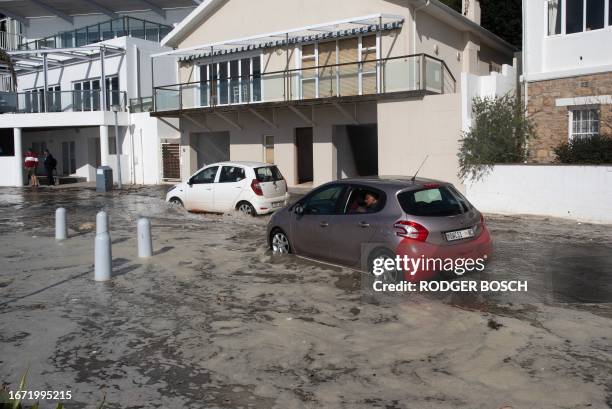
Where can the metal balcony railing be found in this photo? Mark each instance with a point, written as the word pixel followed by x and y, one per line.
pixel 10 41
pixel 118 27
pixel 418 72
pixel 60 101
pixel 141 104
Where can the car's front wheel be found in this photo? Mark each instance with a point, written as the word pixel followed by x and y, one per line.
pixel 280 242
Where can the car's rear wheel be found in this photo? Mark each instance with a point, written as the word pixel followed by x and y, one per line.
pixel 176 201
pixel 378 259
pixel 280 242
pixel 246 208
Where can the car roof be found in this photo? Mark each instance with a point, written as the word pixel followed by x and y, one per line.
pixel 240 163
pixel 391 182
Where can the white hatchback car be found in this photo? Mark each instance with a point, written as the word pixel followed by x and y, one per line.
pixel 251 187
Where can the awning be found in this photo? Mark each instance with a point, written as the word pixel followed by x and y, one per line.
pixel 334 29
pixel 26 61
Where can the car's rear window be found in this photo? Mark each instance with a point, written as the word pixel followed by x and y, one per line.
pixel 438 201
pixel 268 174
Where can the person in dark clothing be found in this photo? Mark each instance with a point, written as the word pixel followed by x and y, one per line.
pixel 50 164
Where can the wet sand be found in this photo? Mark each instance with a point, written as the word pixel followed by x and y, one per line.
pixel 214 320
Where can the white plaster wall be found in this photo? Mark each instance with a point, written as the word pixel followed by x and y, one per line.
pixel 484 86
pixel 409 130
pixel 575 192
pixel 549 56
pixel 9 170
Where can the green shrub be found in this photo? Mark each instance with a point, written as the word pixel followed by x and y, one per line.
pixel 499 134
pixel 594 150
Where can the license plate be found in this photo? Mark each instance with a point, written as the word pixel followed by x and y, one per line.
pixel 277 204
pixel 459 234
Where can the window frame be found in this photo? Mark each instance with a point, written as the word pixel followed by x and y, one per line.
pixel 582 135
pixel 382 197
pixel 607 18
pixel 266 146
pixel 218 180
pixel 216 177
pixel 337 208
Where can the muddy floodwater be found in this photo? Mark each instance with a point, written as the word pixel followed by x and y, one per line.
pixel 213 320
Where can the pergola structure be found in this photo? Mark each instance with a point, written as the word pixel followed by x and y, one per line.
pixel 337 28
pixel 22 10
pixel 33 61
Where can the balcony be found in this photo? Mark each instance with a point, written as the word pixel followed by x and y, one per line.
pixel 119 27
pixel 10 41
pixel 405 76
pixel 60 101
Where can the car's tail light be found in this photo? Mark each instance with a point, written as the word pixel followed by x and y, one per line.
pixel 410 230
pixel 256 187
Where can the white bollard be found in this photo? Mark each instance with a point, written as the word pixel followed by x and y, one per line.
pixel 103 253
pixel 61 231
pixel 101 222
pixel 145 244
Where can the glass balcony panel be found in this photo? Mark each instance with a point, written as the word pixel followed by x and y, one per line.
pixel 93 34
pixel 167 99
pixel 401 74
pixel 190 96
pixel 433 71
pixel 106 30
pixel 273 86
pixel 152 32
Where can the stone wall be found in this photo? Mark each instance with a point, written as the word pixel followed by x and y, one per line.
pixel 552 121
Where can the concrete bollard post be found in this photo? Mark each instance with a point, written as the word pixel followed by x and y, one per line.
pixel 145 244
pixel 61 231
pixel 101 222
pixel 103 253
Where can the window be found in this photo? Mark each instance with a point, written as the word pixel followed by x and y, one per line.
pixel 205 176
pixel 236 81
pixel 554 16
pixel 365 200
pixel 595 14
pixel 323 201
pixel 438 201
pixel 580 15
pixel 268 174
pixel 87 94
pixel 584 123
pixel 230 174
pixel 269 148
pixel 574 16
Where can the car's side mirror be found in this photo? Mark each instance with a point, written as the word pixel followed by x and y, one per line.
pixel 190 182
pixel 298 209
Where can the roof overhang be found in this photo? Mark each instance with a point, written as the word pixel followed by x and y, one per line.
pixel 28 61
pixel 433 7
pixel 344 27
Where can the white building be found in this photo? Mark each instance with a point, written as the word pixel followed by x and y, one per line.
pixel 567 64
pixel 73 65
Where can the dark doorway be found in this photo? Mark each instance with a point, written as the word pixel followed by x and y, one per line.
pixel 303 143
pixel 212 147
pixel 364 144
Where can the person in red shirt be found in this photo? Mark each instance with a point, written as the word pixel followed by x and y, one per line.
pixel 30 164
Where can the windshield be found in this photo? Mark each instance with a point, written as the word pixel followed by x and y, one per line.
pixel 268 174
pixel 438 201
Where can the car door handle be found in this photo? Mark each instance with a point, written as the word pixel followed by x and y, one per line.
pixel 324 224
pixel 364 224
pixel 238 187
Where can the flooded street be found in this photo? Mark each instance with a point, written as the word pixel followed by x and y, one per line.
pixel 215 320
